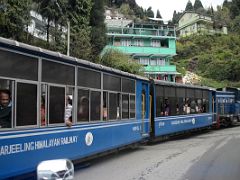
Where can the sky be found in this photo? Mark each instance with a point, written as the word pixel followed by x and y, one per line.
pixel 167 7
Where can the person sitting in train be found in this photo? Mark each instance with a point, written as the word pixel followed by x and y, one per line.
pixel 5 109
pixel 68 111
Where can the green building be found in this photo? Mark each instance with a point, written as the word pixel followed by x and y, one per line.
pixel 152 44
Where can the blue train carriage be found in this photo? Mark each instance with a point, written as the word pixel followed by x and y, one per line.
pixel 180 108
pixel 228 101
pixel 108 108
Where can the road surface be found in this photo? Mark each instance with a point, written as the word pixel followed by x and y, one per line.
pixel 213 155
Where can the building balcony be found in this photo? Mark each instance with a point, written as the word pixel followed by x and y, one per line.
pixel 165 32
pixel 168 69
pixel 144 51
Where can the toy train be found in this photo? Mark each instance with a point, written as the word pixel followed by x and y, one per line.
pixel 109 108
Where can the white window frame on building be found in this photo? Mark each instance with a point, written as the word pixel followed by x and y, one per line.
pixel 139 42
pixel 144 60
pixel 126 42
pixel 156 43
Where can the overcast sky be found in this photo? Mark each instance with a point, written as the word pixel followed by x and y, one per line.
pixel 166 7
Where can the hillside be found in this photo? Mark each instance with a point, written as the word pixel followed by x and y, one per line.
pixel 216 58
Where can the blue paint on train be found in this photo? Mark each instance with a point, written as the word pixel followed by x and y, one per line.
pixel 21 153
pixel 175 124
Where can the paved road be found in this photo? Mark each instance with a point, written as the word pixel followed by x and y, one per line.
pixel 214 155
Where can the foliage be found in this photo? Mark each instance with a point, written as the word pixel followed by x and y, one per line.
pixel 119 60
pixel 14 18
pixel 189 6
pixel 197 5
pixel 158 14
pixel 215 57
pixel 98 31
pixel 149 12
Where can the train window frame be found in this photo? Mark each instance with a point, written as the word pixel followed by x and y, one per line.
pixel 34 58
pixel 109 86
pixel 158 94
pixel 125 94
pixel 15 103
pixel 100 118
pixel 123 86
pixel 118 107
pixel 92 71
pixel 77 107
pixel 11 88
pixel 49 85
pixel 54 81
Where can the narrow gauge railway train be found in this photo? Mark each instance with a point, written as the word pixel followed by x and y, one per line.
pixel 227 106
pixel 109 109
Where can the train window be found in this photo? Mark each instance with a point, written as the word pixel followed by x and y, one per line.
pixel 69 104
pixel 95 105
pixel 5 103
pixel 105 106
pixel 159 91
pixel 169 92
pixel 205 94
pixel 88 78
pixel 205 105
pixel 186 107
pixel 132 106
pixel 125 106
pixel 83 106
pixel 159 106
pixel 18 66
pixel 180 93
pixel 43 107
pixel 190 93
pixel 111 83
pixel 26 112
pixel 56 104
pixel 198 93
pixel 128 85
pixel 198 98
pixel 159 101
pixel 57 73
pixel 114 105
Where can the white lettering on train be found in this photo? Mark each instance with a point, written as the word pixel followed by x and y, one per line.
pixel 37 145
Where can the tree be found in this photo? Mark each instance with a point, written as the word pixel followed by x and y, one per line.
pixel 150 13
pixel 197 5
pixel 121 61
pixel 189 6
pixel 98 32
pixel 14 18
pixel 158 14
pixel 176 17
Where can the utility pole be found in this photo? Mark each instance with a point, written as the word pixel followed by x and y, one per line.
pixel 68 28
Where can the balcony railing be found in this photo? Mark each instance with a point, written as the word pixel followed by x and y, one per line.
pixel 164 31
pixel 144 50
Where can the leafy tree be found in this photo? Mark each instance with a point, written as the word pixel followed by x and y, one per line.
pixel 14 18
pixel 126 10
pixel 150 13
pixel 197 5
pixel 158 14
pixel 176 17
pixel 189 6
pixel 98 32
pixel 119 60
pixel 235 8
pixel 80 44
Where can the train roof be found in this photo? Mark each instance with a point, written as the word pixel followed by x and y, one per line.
pixel 166 83
pixel 57 56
